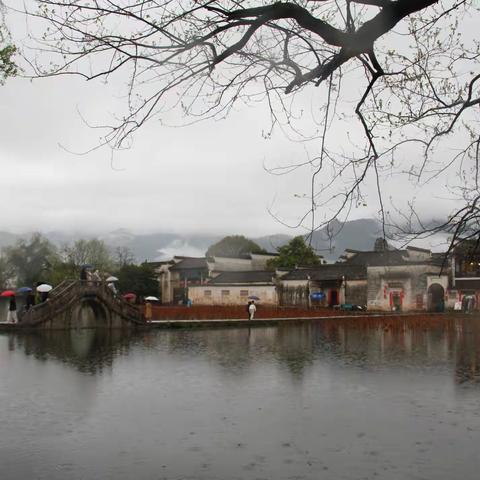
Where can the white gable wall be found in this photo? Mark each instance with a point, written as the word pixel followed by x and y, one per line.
pixel 237 294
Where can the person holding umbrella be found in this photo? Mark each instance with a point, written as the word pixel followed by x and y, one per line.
pixel 27 292
pixel 248 309
pixel 12 310
pixel 30 300
pixel 43 289
pixel 252 309
pixel 111 284
pixel 96 278
pixel 12 306
pixel 86 274
pixel 83 274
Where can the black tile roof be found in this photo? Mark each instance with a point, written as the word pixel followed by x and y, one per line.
pixel 188 263
pixel 439 259
pixel 158 264
pixel 389 258
pixel 245 256
pixel 329 272
pixel 229 278
pixel 377 259
pixel 242 256
pixel 418 249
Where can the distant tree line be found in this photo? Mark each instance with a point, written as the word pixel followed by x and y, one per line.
pixel 36 259
pixel 294 254
pixel 8 67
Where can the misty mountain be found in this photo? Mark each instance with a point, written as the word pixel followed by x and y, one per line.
pixel 7 238
pixel 329 242
pixel 271 242
pixel 332 241
pixel 150 247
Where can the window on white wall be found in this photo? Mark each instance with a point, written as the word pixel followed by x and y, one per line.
pixel 244 293
pixel 225 293
pixel 207 293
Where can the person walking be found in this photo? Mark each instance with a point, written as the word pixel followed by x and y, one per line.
pixel 251 310
pixel 12 311
pixel 111 286
pixel 83 275
pixel 30 301
pixel 248 309
pixel 464 303
pixel 471 304
pixel 148 312
pixel 96 278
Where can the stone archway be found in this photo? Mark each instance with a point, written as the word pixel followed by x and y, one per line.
pixel 90 314
pixel 436 298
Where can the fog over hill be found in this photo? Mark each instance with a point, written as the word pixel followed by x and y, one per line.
pixel 332 241
pixel 329 242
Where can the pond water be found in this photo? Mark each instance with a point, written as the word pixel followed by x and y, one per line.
pixel 326 400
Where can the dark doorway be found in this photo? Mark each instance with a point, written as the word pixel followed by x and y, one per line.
pixel 436 298
pixel 396 301
pixel 179 295
pixel 333 298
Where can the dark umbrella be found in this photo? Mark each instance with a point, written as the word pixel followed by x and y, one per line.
pixel 87 265
pixel 253 297
pixel 24 290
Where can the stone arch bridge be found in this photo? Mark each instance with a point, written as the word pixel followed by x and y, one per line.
pixel 76 304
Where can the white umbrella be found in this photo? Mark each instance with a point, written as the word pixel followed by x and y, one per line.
pixel 152 298
pixel 44 287
pixel 112 279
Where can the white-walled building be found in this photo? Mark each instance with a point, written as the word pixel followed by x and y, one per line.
pixel 402 280
pixel 387 280
pixel 234 288
pixel 179 275
pixel 324 285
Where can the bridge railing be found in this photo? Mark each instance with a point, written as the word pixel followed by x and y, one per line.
pixel 116 301
pixel 69 291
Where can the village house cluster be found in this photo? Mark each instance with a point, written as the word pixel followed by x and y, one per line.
pixel 387 280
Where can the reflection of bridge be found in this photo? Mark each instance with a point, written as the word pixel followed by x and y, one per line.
pixel 76 304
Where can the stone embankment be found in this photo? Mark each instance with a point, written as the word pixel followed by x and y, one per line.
pixel 386 321
pixel 201 316
pixel 222 312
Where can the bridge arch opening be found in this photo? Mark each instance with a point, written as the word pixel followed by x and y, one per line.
pixel 90 314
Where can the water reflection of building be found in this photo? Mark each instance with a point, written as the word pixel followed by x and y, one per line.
pixel 364 342
pixel 467 356
pixel 295 348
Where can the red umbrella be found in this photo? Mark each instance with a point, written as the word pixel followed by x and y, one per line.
pixel 129 296
pixel 7 293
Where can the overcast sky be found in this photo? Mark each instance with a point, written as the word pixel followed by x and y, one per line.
pixel 208 177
